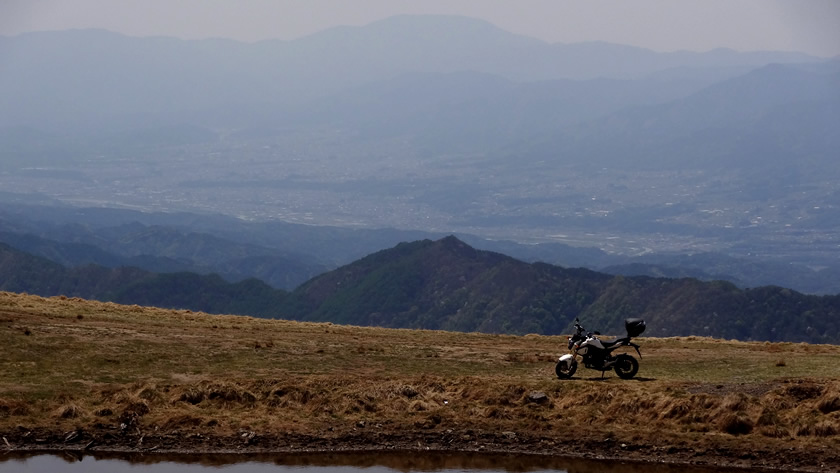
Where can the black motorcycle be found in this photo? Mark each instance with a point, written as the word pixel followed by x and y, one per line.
pixel 598 354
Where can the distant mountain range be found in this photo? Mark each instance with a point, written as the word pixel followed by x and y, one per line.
pixel 22 272
pixel 446 284
pixel 83 79
pixel 448 84
pixel 285 255
pixel 777 116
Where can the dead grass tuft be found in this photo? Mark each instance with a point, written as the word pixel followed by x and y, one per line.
pixel 830 400
pixel 70 411
pixel 419 406
pixel 825 428
pixel 497 413
pixel 734 402
pixel 736 424
pixel 230 393
pixel 136 409
pixel 409 391
pixel 192 395
pixel 774 431
pixel 778 402
pixel 10 408
pixel 829 405
pixel 804 390
pixel 182 421
pixel 818 427
pixel 222 392
pixel 512 395
pixel 676 409
pixel 769 417
pixel 150 393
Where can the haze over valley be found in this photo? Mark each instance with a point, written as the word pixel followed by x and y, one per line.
pixel 443 125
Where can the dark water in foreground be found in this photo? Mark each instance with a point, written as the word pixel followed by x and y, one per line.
pixel 13 462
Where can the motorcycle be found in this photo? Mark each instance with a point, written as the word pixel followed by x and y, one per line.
pixel 598 355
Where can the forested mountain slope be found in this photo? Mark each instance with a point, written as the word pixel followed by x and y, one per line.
pixel 448 285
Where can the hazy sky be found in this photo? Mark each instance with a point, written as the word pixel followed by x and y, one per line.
pixel 811 26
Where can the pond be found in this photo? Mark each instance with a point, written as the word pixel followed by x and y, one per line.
pixel 378 462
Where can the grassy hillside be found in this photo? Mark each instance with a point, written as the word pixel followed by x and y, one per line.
pixel 126 376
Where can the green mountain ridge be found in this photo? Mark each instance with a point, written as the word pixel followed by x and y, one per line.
pixel 285 255
pixel 443 284
pixel 23 272
pixel 448 285
pixel 160 249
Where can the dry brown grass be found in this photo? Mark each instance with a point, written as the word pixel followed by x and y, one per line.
pixel 70 364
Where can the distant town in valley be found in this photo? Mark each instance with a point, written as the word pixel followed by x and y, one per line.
pixel 331 179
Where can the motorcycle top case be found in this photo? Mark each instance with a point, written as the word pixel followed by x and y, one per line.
pixel 634 327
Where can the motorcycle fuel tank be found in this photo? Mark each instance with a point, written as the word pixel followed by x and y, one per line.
pixel 592 342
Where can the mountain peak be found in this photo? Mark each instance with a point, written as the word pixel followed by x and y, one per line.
pixel 440 26
pixel 452 241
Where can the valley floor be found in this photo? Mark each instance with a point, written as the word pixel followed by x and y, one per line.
pixel 98 377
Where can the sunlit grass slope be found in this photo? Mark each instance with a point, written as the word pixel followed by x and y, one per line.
pixel 70 364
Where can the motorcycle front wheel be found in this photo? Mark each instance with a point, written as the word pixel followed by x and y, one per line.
pixel 565 370
pixel 626 366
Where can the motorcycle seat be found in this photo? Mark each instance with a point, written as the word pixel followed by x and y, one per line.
pixel 617 341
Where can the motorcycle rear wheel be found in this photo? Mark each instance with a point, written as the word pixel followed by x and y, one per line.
pixel 626 366
pixel 565 370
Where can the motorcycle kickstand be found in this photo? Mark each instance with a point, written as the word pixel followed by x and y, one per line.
pixel 602 374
